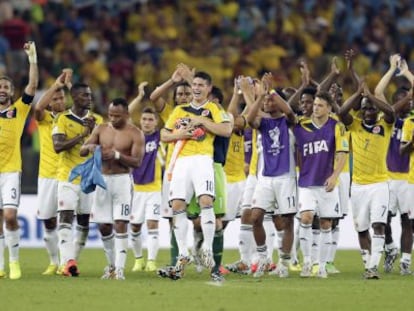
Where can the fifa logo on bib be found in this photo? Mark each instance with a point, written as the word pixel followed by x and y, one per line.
pixel 150 146
pixel 315 147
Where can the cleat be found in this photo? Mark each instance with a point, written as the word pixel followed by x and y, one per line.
pixel 390 257
pixel 119 274
pixel 109 273
pixel 295 267
pixel 139 265
pixel 281 271
pixel 51 269
pixel 271 267
pixel 262 266
pixel 182 262
pixel 239 267
pixel 223 270
pixel 405 268
pixel 169 272
pixel 71 268
pixel 315 269
pixel 3 274
pixel 197 262
pixel 331 269
pixel 150 266
pixel 217 277
pixel 322 274
pixel 372 274
pixel 60 270
pixel 306 270
pixel 206 258
pixel 253 267
pixel 15 272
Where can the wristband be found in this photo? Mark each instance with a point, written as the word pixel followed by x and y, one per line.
pixel 117 155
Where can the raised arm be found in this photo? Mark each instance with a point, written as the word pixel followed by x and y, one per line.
pixel 45 100
pixel 350 103
pixel 134 105
pixel 330 78
pixel 389 115
pixel 253 118
pixel 385 80
pixel 30 49
pixel 349 57
pixel 294 100
pixel 160 92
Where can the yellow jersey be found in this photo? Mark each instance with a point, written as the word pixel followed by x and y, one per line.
pixel 164 115
pixel 407 136
pixel 12 121
pixel 71 126
pixel 234 167
pixel 255 155
pixel 204 145
pixel 49 159
pixel 369 151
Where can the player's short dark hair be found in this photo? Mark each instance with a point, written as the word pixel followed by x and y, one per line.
pixel 149 109
pixel 120 101
pixel 326 97
pixel 7 78
pixel 402 90
pixel 309 91
pixel 217 93
pixel 203 75
pixel 77 86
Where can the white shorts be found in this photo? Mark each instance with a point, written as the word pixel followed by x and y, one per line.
pixel 145 206
pixel 114 203
pixel 47 201
pixel 71 198
pixel 410 191
pixel 400 198
pixel 249 187
pixel 192 175
pixel 234 199
pixel 276 195
pixel 316 199
pixel 10 190
pixel 343 189
pixel 369 204
pixel 166 209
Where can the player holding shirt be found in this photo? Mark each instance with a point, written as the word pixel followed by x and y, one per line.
pixel 13 116
pixel 72 127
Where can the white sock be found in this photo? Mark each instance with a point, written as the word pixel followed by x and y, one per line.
pixel 66 247
pixel 305 236
pixel 198 238
pixel 316 240
pixel 2 245
pixel 136 243
pixel 390 246
pixel 208 226
pixel 366 257
pixel 269 228
pixel 325 247
pixel 81 236
pixel 334 245
pixel 152 244
pixel 180 230
pixel 121 249
pixel 12 239
pixel 377 246
pixel 246 243
pixel 108 246
pixel 406 258
pixel 51 240
pixel 279 238
pixel 295 246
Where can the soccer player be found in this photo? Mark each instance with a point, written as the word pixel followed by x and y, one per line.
pixel 275 192
pixel 193 171
pixel 45 112
pixel 146 203
pixel 122 146
pixel 398 166
pixel 69 132
pixel 13 115
pixel 370 138
pixel 182 94
pixel 321 148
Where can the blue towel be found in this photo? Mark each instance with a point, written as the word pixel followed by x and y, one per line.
pixel 90 172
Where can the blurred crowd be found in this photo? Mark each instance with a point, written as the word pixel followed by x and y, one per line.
pixel 113 45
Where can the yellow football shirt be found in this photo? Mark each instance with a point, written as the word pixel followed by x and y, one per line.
pixel 209 110
pixel 406 136
pixel 49 159
pixel 254 161
pixel 369 151
pixel 12 121
pixel 234 167
pixel 71 126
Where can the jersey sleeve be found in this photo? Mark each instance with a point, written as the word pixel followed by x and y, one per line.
pixel 170 124
pixel 220 115
pixel 341 138
pixel 407 130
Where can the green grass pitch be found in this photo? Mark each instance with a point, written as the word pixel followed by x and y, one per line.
pixel 146 291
